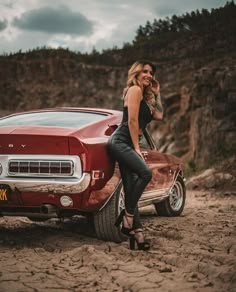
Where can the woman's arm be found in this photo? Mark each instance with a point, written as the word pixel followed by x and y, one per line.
pixel 157 107
pixel 134 97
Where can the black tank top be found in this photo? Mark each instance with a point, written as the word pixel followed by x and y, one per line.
pixel 144 117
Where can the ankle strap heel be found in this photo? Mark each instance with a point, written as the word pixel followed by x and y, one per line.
pixel 125 230
pixel 144 245
pixel 120 218
pixel 132 243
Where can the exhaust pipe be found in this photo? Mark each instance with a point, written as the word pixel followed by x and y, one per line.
pixel 48 209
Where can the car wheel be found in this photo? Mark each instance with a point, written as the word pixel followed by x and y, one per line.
pixel 174 204
pixel 104 220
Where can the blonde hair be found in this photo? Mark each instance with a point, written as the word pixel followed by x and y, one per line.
pixel 132 80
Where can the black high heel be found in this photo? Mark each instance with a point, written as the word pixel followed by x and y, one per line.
pixel 120 218
pixel 126 231
pixel 145 245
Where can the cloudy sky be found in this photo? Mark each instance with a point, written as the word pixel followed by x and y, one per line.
pixel 82 25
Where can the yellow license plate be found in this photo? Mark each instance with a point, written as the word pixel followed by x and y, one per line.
pixel 5 192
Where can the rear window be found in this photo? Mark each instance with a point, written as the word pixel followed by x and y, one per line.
pixel 65 119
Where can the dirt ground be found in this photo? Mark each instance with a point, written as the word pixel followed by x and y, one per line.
pixel 194 252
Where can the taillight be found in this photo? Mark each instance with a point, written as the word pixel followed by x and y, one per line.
pixel 97 174
pixel 61 168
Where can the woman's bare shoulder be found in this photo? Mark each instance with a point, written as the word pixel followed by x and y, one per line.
pixel 135 89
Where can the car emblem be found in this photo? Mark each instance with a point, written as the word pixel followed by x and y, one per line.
pixel 12 145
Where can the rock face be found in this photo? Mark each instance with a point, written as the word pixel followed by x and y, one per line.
pixel 221 177
pixel 199 97
pixel 199 123
pixel 55 78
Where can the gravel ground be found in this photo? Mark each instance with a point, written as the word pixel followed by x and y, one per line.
pixel 193 252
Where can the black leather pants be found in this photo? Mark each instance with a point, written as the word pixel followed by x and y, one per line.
pixel 134 171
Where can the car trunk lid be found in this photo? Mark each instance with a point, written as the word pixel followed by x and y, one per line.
pixel 35 140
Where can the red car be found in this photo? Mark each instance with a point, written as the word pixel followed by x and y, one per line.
pixel 54 163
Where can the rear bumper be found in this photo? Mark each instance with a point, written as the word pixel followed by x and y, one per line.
pixel 44 185
pixel 73 183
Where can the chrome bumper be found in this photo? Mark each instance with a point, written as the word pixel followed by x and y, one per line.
pixel 46 185
pixel 27 182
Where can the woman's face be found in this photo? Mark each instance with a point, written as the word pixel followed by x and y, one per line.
pixel 145 76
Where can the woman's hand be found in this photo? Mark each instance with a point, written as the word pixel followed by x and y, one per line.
pixel 155 86
pixel 139 153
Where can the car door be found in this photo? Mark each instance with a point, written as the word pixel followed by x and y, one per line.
pixel 162 171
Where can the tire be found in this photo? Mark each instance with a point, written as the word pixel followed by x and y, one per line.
pixel 174 204
pixel 104 220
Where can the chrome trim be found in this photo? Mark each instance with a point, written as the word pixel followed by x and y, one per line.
pixel 50 183
pixel 176 174
pixel 176 197
pixel 29 164
pixel 45 185
pixel 155 196
pixel 147 198
pixel 75 160
pixel 111 195
pixel 152 197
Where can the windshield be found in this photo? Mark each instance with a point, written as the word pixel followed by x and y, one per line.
pixel 65 119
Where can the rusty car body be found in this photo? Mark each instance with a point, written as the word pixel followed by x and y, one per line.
pixel 54 163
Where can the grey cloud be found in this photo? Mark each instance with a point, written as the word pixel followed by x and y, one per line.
pixel 164 11
pixel 8 5
pixel 124 16
pixel 3 24
pixel 23 41
pixel 55 20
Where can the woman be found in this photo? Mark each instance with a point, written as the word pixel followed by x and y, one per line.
pixel 142 103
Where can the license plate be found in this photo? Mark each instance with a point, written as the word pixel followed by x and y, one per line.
pixel 5 192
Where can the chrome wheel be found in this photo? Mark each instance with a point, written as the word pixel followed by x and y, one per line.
pixel 174 204
pixel 176 196
pixel 121 202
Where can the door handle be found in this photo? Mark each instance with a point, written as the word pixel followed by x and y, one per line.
pixel 145 154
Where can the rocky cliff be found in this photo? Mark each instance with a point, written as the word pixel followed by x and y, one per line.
pixel 199 97
pixel 199 123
